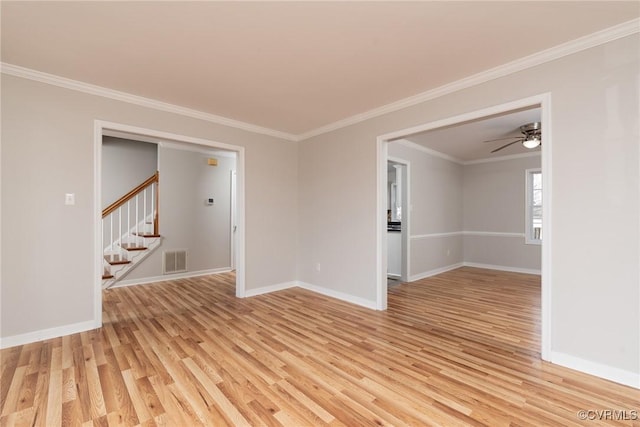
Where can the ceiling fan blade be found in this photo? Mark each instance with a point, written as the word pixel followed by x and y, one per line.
pixel 506 145
pixel 500 139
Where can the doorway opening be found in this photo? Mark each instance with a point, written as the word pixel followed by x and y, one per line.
pixel 397 220
pixel 543 103
pixel 192 161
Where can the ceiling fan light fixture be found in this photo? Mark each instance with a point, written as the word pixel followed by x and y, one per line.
pixel 531 142
pixel 530 139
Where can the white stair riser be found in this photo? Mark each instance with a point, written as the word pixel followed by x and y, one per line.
pixel 119 271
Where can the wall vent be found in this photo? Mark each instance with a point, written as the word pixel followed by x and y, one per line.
pixel 174 261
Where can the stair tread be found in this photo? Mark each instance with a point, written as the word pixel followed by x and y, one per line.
pixel 116 259
pixel 106 274
pixel 119 262
pixel 146 234
pixel 132 247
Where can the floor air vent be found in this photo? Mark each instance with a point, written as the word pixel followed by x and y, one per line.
pixel 174 261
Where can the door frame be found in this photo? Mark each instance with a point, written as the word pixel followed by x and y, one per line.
pixel 232 235
pixel 100 128
pixel 544 102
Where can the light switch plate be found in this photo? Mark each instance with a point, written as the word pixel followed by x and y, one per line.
pixel 70 199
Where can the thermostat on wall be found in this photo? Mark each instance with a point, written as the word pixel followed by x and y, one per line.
pixel 209 202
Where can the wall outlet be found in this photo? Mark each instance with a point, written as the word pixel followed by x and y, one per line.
pixel 318 266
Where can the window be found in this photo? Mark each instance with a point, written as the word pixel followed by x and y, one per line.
pixel 533 220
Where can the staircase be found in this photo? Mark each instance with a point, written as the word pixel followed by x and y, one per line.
pixel 130 231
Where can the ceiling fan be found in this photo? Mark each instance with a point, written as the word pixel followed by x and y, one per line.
pixel 531 137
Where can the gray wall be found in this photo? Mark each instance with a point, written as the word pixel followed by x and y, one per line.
pixel 186 222
pixel 316 202
pixel 454 207
pixel 495 202
pixel 48 277
pixel 436 208
pixel 338 223
pixel 595 275
pixel 125 164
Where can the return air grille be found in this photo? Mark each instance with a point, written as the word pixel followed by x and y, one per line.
pixel 174 261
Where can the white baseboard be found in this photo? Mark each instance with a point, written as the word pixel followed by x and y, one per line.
pixel 433 272
pixel 338 295
pixel 440 270
pixel 166 277
pixel 313 288
pixel 45 334
pixel 269 289
pixel 503 268
pixel 610 373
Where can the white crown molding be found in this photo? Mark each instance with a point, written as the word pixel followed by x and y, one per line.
pixel 502 158
pixel 415 146
pixel 198 149
pixel 27 73
pixel 411 144
pixel 130 136
pixel 586 42
pixel 175 145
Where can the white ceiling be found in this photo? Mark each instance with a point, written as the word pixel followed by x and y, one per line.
pixel 288 66
pixel 464 142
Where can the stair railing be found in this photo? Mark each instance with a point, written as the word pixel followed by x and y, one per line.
pixel 135 209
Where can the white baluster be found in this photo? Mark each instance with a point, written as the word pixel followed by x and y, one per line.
pixel 137 215
pixel 144 209
pixel 120 223
pixel 153 206
pixel 129 217
pixel 111 231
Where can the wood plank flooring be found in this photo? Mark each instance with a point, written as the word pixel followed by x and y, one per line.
pixel 457 349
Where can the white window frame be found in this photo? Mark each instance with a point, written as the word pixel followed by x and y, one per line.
pixel 529 233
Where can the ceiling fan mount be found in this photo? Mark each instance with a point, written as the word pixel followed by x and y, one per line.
pixel 531 137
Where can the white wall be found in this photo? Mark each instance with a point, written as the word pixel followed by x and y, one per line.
pixel 48 272
pixel 595 187
pixel 125 164
pixel 186 222
pixel 494 202
pixel 436 211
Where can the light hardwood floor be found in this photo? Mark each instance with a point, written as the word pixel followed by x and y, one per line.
pixel 461 348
